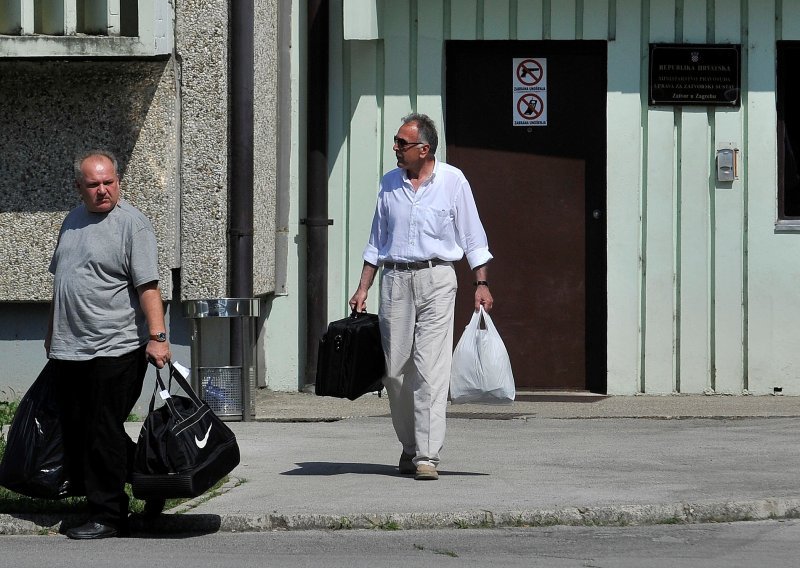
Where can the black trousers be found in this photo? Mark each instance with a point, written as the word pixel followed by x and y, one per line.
pixel 96 397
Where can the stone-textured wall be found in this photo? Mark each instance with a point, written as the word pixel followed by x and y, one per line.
pixel 49 112
pixel 265 145
pixel 167 120
pixel 202 47
pixel 201 29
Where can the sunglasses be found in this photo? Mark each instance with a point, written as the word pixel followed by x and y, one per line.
pixel 403 144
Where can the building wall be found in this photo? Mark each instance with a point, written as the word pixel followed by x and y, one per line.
pixel 701 294
pixel 166 117
pixel 53 109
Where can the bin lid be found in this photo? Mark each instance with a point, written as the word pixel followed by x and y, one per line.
pixel 221 308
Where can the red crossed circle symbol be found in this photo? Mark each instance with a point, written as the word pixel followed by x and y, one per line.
pixel 530 72
pixel 530 106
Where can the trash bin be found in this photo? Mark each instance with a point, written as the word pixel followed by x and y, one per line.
pixel 223 354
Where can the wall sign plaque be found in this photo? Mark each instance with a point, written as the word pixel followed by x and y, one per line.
pixel 695 74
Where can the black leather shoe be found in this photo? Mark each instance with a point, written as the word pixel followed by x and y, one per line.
pixel 92 530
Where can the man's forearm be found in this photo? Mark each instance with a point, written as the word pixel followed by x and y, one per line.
pixel 152 307
pixel 367 276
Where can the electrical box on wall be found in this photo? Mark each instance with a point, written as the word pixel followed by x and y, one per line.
pixel 727 170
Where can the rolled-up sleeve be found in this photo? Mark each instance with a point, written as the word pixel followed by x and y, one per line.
pixel 372 249
pixel 470 233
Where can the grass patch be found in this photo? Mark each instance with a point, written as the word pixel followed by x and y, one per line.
pixel 342 524
pixel 11 502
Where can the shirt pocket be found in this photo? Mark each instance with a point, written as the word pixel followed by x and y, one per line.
pixel 437 223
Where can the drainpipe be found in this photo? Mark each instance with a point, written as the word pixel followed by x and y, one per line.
pixel 316 220
pixel 240 232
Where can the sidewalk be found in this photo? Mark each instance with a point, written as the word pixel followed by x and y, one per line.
pixel 322 463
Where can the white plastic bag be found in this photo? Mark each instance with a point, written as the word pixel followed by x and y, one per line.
pixel 481 372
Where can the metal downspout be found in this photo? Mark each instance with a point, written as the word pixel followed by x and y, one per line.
pixel 240 232
pixel 316 220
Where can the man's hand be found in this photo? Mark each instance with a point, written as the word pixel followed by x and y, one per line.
pixel 359 300
pixel 483 297
pixel 158 353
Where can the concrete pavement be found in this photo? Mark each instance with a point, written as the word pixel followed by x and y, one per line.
pixel 322 463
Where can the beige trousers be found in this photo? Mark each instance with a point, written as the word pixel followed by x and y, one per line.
pixel 416 320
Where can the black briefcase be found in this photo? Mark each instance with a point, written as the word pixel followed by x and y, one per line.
pixel 350 361
pixel 183 447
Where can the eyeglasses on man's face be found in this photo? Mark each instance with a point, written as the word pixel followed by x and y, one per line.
pixel 404 144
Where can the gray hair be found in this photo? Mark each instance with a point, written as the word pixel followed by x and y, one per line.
pixel 426 129
pixel 83 157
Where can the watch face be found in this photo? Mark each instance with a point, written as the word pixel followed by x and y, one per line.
pixel 160 336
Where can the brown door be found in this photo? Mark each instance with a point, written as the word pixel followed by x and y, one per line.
pixel 541 192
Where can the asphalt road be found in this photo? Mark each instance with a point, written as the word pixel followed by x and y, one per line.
pixel 773 544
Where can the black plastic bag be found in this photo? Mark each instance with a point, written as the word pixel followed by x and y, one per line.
pixel 33 463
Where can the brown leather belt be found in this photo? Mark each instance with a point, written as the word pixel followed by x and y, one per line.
pixel 418 265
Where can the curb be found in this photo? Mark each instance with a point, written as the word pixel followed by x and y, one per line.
pixel 626 515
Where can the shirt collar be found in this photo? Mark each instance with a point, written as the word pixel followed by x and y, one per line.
pixel 430 178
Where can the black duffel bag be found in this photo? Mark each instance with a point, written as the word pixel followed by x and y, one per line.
pixel 183 447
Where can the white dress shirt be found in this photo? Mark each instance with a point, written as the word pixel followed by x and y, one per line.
pixel 439 220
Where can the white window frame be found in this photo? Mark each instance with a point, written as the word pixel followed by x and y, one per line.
pixel 58 34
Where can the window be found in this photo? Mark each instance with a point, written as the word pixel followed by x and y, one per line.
pixel 52 28
pixel 788 54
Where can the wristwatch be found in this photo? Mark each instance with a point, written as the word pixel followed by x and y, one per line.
pixel 161 336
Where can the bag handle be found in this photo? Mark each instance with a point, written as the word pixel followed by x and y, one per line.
pixel 355 315
pixel 183 383
pixel 156 389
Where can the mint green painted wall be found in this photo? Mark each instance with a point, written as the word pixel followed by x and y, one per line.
pixel 701 286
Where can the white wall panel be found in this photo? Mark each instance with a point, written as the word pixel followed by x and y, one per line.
pixel 694 331
pixel 364 140
pixel 659 221
pixel 463 19
pixel 728 205
pixel 773 271
pixel 659 254
pixel 396 78
pixel 623 201
pixel 694 22
pixel 496 20
pixel 595 19
pixel 529 19
pixel 789 19
pixel 430 63
pixel 562 19
pixel 341 277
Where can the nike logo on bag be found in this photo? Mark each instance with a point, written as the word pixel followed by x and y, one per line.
pixel 202 443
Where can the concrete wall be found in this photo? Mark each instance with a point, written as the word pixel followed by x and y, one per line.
pixel 52 110
pixel 167 120
pixel 701 284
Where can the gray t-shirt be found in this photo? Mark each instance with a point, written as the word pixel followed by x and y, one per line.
pixel 99 261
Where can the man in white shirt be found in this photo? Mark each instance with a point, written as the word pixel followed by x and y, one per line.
pixel 425 219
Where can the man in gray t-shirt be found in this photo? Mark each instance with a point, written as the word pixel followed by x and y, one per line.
pixel 107 321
